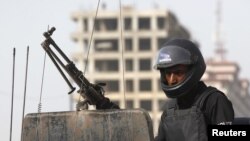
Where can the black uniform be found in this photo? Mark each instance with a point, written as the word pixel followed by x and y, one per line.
pixel 215 109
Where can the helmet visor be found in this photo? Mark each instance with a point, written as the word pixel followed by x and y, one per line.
pixel 172 55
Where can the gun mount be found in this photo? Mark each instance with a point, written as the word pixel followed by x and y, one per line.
pixel 92 93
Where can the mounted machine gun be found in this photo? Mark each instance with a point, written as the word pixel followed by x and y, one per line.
pixel 85 125
pixel 92 93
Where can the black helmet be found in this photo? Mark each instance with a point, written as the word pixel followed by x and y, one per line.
pixel 180 51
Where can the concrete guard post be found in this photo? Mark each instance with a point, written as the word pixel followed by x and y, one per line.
pixel 88 125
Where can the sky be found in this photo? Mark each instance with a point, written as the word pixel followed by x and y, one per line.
pixel 22 24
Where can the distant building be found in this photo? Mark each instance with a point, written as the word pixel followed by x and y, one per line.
pixel 127 67
pixel 224 75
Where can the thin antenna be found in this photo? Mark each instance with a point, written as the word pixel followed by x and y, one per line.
pixel 122 47
pixel 41 90
pixel 25 85
pixel 90 40
pixel 12 99
pixel 40 99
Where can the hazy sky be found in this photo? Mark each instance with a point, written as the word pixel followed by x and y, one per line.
pixel 23 22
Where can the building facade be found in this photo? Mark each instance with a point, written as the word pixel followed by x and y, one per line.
pixel 224 75
pixel 123 58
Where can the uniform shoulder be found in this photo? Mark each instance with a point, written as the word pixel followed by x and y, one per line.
pixel 218 97
pixel 217 94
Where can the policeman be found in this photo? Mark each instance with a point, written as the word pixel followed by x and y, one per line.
pixel 192 104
